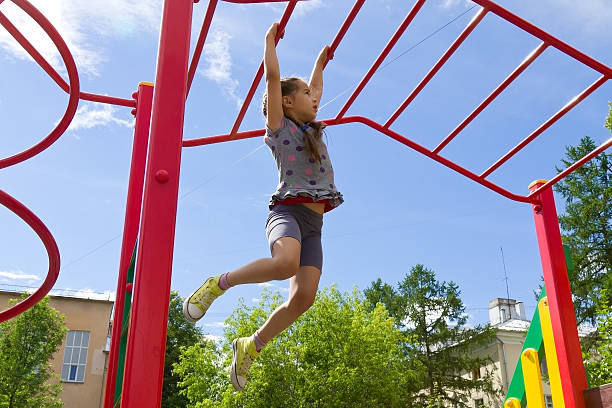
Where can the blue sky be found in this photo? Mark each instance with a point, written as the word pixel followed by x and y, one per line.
pixel 401 208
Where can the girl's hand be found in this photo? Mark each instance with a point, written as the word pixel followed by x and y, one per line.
pixel 323 55
pixel 272 31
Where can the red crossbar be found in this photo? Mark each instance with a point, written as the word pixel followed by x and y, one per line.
pixel 398 34
pixel 522 67
pixel 451 50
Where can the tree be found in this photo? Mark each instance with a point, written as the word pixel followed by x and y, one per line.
pixel 598 360
pixel 587 226
pixel 27 344
pixel 338 354
pixel 181 333
pixel 432 318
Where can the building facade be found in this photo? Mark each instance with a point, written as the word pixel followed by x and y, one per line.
pixel 508 316
pixel 81 360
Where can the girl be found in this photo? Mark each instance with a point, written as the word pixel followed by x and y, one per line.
pixel 305 191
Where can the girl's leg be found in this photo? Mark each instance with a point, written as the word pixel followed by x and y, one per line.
pixel 302 292
pixel 284 264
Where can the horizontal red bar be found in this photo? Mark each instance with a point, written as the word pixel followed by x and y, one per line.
pixel 530 58
pixel 575 101
pixel 380 128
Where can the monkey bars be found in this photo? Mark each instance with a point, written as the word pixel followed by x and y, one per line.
pixel 157 188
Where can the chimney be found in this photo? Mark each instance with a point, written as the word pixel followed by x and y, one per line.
pixel 501 310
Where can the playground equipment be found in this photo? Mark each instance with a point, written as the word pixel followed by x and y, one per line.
pixel 159 112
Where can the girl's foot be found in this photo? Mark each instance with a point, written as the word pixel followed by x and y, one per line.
pixel 244 355
pixel 196 305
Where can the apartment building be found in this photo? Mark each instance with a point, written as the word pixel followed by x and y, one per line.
pixel 81 361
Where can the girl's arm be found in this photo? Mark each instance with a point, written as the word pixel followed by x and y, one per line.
pixel 273 85
pixel 316 77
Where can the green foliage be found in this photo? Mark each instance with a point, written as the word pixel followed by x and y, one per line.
pixel 181 333
pixel 27 344
pixel 432 318
pixel 598 360
pixel 587 226
pixel 338 354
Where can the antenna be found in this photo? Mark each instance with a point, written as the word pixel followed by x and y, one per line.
pixel 506 279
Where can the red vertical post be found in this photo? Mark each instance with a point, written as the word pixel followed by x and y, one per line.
pixel 144 365
pixel 565 331
pixel 144 101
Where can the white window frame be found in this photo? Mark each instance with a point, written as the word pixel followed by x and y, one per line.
pixel 75 356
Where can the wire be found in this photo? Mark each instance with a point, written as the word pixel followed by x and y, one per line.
pixel 402 53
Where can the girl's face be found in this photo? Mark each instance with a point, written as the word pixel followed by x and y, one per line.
pixel 302 105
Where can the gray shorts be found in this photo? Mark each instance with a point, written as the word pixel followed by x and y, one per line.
pixel 299 222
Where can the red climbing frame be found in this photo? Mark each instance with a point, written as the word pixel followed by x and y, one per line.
pixel 146 345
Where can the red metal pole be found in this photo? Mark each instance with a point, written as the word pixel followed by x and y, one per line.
pixel 565 331
pixel 144 365
pixel 144 98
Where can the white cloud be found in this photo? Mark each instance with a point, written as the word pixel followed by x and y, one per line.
pixel 265 284
pixel 590 16
pixel 90 115
pixel 305 7
pixel 219 63
pixel 216 339
pixel 214 324
pixel 17 275
pixel 83 25
pixel 255 300
pixel 84 294
pixel 447 4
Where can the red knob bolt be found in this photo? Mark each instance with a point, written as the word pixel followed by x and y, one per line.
pixel 162 176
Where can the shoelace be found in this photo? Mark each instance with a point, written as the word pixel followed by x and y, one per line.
pixel 205 299
pixel 245 365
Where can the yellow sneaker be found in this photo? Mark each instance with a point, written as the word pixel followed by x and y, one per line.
pixel 244 355
pixel 196 305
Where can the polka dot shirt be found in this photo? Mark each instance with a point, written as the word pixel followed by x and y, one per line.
pixel 299 174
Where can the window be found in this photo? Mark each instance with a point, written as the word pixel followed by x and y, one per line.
pixel 476 373
pixel 478 403
pixel 75 356
pixel 548 400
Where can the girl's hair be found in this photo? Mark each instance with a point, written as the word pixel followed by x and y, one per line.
pixel 288 87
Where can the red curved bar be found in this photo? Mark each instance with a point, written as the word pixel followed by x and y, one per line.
pixel 73 77
pixel 44 64
pixel 54 257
